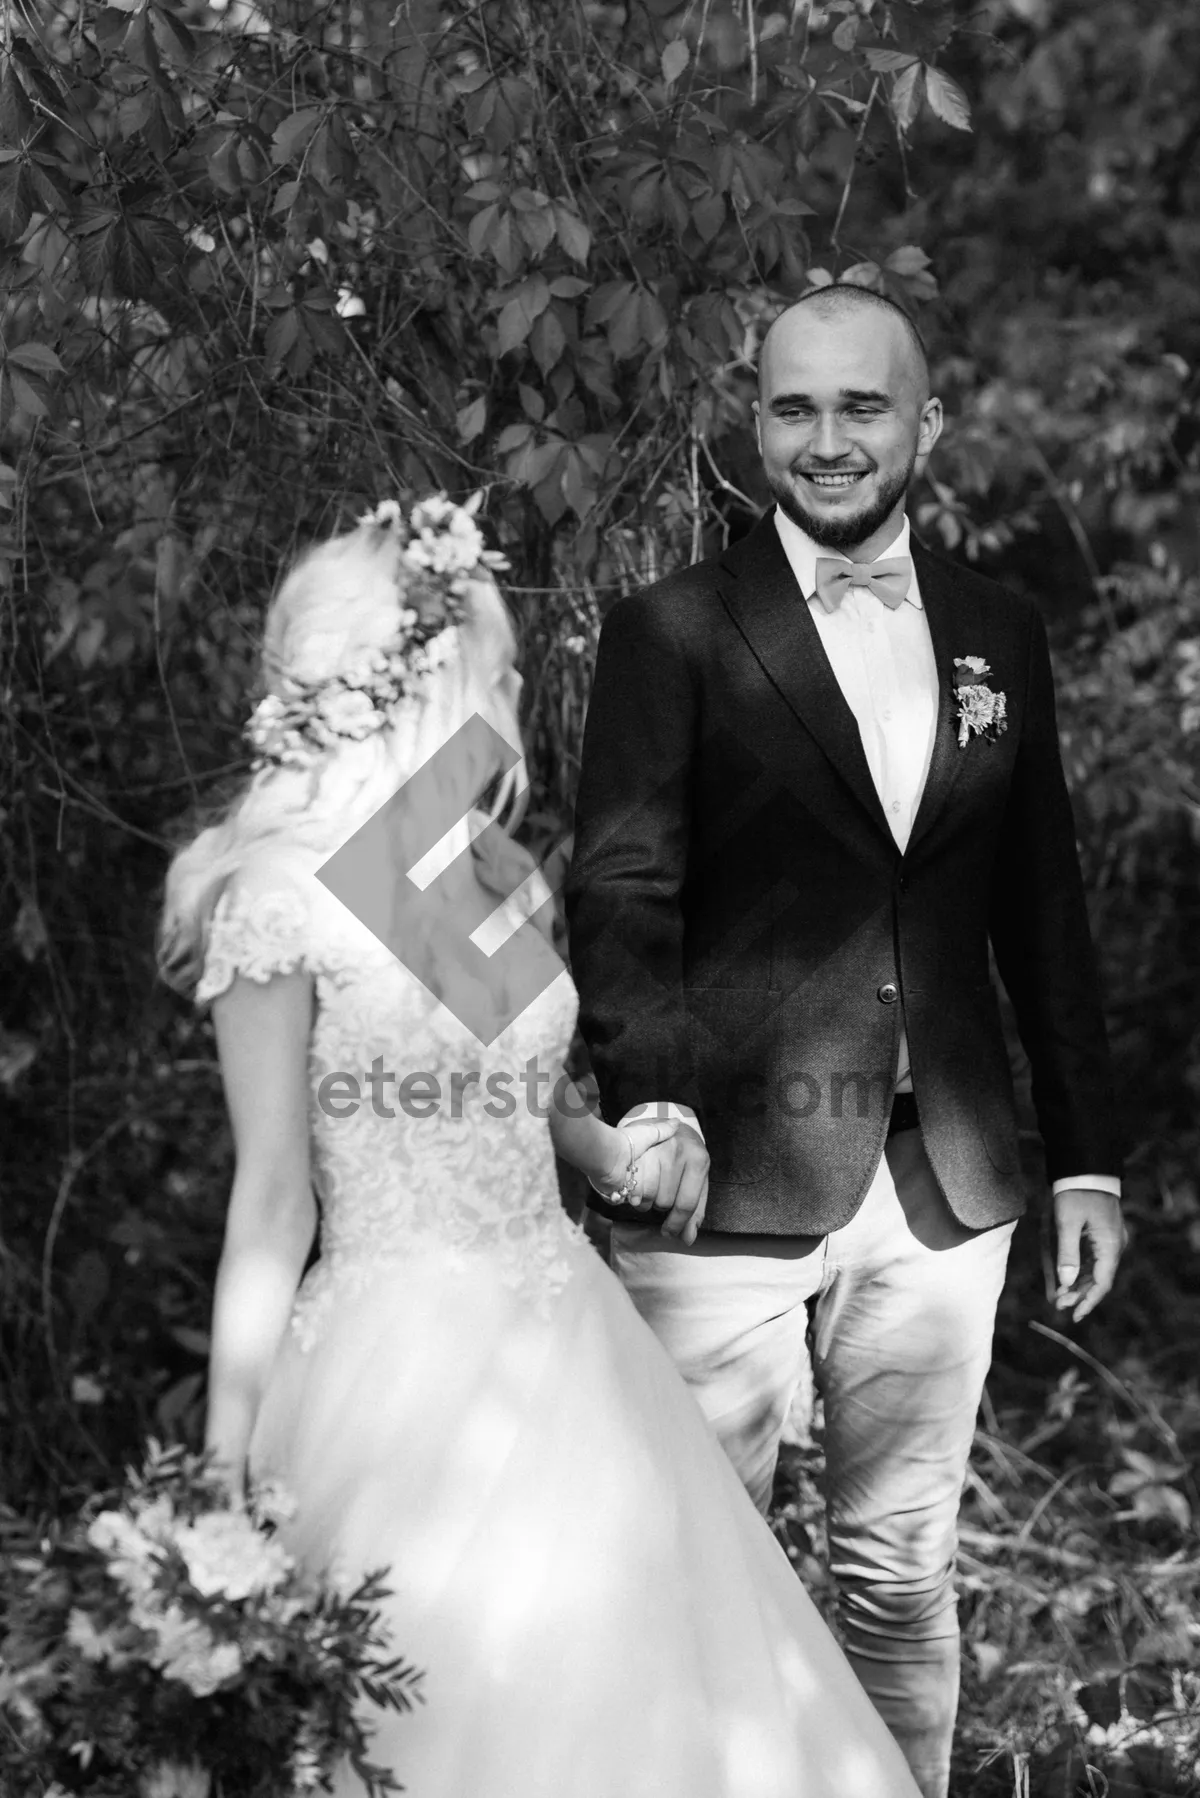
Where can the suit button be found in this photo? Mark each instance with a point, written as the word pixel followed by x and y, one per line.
pixel 888 993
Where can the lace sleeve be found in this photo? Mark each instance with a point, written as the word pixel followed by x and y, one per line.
pixel 256 933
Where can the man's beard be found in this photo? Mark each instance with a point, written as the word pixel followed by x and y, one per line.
pixel 844 533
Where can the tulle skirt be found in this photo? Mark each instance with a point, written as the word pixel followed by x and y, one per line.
pixel 599 1609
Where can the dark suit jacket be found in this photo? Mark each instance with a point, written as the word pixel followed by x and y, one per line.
pixel 742 921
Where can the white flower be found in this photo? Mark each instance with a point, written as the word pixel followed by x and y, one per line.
pixel 348 714
pixel 388 512
pixel 349 305
pixel 980 710
pixel 574 645
pixel 172 1779
pixel 201 240
pixel 228 1557
pixel 133 1559
pixel 975 664
pixel 273 1503
pixel 185 1650
pixel 92 1643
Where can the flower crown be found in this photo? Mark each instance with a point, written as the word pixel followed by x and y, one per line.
pixel 441 550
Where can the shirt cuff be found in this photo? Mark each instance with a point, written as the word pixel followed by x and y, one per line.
pixel 1096 1182
pixel 664 1108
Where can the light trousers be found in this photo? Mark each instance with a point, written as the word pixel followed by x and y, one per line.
pixel 905 1305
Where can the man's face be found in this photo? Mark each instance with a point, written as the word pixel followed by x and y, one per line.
pixel 843 424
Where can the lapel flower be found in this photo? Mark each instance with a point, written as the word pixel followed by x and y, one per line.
pixel 981 710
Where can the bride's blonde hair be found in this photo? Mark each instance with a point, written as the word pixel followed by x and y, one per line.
pixel 339 602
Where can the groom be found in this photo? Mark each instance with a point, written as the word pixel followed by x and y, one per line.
pixel 820 773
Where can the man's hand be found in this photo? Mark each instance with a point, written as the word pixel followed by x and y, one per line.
pixel 1082 1215
pixel 674 1177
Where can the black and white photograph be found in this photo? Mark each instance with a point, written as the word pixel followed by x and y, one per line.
pixel 599 899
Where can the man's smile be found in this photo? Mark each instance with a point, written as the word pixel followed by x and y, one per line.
pixel 836 481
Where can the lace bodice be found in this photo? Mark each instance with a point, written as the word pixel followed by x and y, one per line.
pixel 449 1154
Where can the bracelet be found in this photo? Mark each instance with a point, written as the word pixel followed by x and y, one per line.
pixel 627 1191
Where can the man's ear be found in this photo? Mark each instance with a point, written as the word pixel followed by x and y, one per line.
pixel 757 411
pixel 928 432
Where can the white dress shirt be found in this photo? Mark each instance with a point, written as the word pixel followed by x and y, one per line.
pixel 882 659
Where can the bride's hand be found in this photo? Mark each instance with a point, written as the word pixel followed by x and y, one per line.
pixel 632 1143
pixel 670 1168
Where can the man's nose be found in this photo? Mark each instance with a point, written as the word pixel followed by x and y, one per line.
pixel 829 441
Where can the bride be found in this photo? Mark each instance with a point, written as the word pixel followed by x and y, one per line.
pixel 458 1390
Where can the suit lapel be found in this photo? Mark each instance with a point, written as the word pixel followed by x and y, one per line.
pixel 771 613
pixel 949 617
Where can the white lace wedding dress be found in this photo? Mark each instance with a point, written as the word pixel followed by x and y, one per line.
pixel 467 1398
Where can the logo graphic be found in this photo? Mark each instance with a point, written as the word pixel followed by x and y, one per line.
pixel 500 959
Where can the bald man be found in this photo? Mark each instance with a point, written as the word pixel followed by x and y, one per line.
pixel 820 775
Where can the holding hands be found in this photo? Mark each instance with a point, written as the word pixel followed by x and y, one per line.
pixel 661 1163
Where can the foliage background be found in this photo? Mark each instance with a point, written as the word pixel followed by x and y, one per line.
pixel 265 263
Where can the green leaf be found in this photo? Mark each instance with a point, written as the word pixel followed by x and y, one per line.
pixel 578 491
pixel 909 259
pixel 472 419
pixel 537 230
pixel 606 301
pixel 517 316
pixel 907 91
pixel 624 326
pixel 567 287
pixel 864 274
pixel 889 62
pixel 140 47
pixel 29 393
pixel 480 229
pixel 504 246
pixel 292 134
pixel 548 340
pixel 573 234
pixel 18 121
pixel 947 99
pixel 281 336
pixel 16 200
pixel 512 437
pixel 39 358
pixel 708 215
pixel 653 321
pixel 674 60
pixel 178 40
pixel 644 200
pixel 532 403
pixel 510 114
pixel 134 111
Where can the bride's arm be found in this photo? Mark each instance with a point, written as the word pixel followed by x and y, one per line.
pixel 262 1039
pixel 581 1136
pixel 607 1155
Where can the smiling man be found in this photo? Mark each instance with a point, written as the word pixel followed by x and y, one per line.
pixel 845 417
pixel 820 776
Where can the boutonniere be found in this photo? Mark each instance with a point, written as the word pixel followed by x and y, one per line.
pixel 980 709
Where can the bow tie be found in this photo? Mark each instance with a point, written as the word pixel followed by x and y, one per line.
pixel 888 581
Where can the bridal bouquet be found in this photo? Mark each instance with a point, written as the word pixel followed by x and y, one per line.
pixel 168 1647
